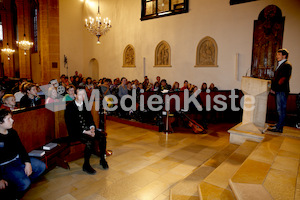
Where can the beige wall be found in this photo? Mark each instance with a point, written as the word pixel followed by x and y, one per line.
pixel 230 26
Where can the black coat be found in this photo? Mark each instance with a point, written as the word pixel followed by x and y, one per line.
pixel 27 102
pixel 77 121
pixel 284 70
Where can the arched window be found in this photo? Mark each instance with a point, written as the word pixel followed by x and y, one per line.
pixel 129 56
pixel 163 55
pixel 207 53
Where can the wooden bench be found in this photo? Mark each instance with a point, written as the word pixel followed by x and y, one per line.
pixel 56 157
pixel 36 127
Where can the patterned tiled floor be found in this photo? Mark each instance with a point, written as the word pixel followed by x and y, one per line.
pixel 148 165
pixel 145 165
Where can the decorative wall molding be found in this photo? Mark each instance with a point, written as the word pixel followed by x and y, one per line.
pixel 163 55
pixel 207 53
pixel 129 56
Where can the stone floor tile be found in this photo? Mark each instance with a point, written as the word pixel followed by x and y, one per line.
pixel 288 154
pixel 251 171
pixel 280 184
pixel 286 164
pixel 212 192
pixel 217 159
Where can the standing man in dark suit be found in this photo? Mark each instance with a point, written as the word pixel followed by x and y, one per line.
pixel 281 87
pixel 81 127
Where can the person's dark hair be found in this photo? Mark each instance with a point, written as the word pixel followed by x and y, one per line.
pixel 122 78
pixel 23 85
pixel 70 86
pixel 203 86
pixel 284 52
pixel 78 89
pixel 164 80
pixel 89 78
pixel 29 86
pixel 3 114
pixel 185 81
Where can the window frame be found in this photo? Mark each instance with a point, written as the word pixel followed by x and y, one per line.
pixel 169 12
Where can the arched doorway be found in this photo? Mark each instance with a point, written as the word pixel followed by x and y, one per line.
pixel 93 69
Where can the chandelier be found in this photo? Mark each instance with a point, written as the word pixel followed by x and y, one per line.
pixel 98 26
pixel 24 44
pixel 8 51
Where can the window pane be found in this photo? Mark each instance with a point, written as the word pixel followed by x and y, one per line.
pixel 150 7
pixel 163 5
pixel 177 4
pixel 1 33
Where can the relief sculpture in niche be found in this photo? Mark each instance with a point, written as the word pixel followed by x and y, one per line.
pixel 163 55
pixel 207 53
pixel 129 56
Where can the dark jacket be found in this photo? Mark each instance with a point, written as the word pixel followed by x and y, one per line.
pixel 77 121
pixel 11 146
pixel 27 102
pixel 284 70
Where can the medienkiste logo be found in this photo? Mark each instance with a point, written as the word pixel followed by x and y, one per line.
pixel 155 102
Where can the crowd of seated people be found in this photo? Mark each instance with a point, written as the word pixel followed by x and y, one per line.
pixel 27 93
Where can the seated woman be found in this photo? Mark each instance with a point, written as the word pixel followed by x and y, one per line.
pixel 17 169
pixel 155 87
pixel 9 102
pixel 52 96
pixel 185 85
pixel 212 87
pixel 105 88
pixel 204 87
pixel 175 87
pixel 89 86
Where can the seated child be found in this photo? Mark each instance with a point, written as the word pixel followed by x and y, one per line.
pixel 9 102
pixel 52 96
pixel 70 96
pixel 17 169
pixel 30 99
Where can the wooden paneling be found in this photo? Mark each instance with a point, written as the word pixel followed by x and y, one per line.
pixel 35 127
pixel 267 39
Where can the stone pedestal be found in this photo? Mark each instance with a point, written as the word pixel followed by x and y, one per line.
pixel 254 111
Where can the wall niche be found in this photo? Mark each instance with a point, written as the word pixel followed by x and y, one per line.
pixel 129 56
pixel 163 55
pixel 207 53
